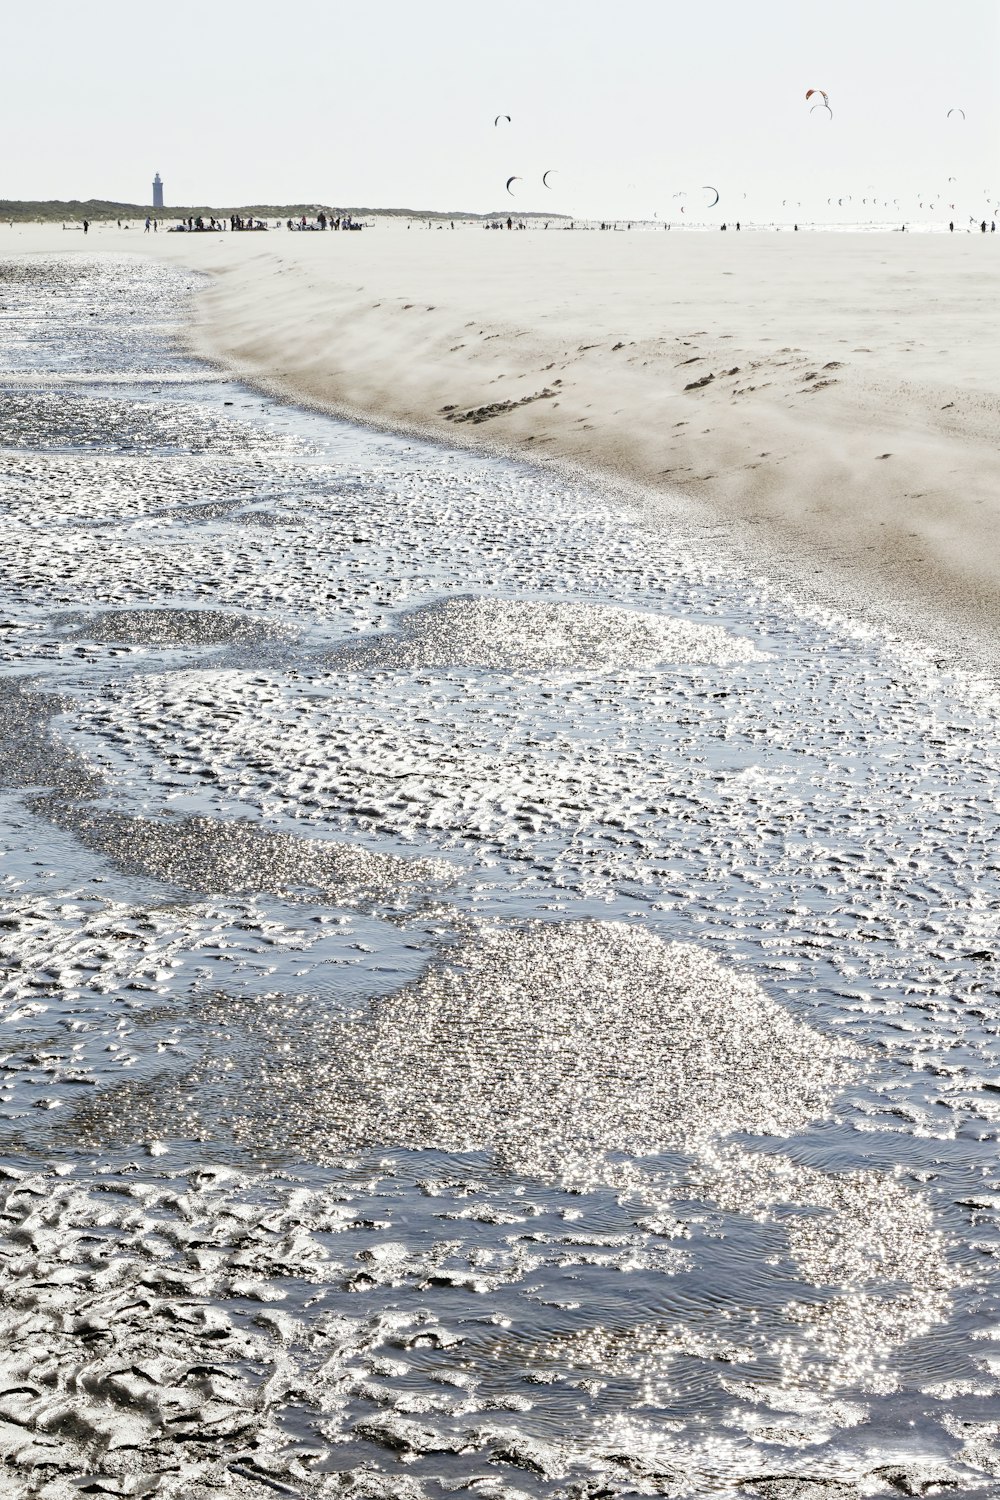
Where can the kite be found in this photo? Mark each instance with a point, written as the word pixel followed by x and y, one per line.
pixel 510 180
pixel 496 122
pixel 955 112
pixel 825 97
pixel 714 190
pixel 547 174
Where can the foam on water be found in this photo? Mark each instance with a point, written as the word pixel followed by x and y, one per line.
pixel 496 996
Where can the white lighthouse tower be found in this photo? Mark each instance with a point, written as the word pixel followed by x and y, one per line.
pixel 157 192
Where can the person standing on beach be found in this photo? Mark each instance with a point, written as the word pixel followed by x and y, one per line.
pixel 951 227
pixel 148 222
pixel 86 225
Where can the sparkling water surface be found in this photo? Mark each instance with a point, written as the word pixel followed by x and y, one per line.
pixel 498 996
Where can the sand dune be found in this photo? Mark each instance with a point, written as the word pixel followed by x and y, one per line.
pixel 834 395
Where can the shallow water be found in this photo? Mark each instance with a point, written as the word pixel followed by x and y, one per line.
pixel 496 995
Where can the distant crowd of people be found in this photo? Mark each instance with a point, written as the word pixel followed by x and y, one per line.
pixel 197 223
pixel 322 222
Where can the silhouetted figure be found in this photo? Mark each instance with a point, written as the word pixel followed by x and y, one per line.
pixel 951 227
pixel 86 225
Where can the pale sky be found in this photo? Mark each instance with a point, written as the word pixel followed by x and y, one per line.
pixel 391 103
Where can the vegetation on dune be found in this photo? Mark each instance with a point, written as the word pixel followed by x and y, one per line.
pixel 56 210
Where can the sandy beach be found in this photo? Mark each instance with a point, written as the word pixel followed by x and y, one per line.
pixel 834 395
pixel 490 983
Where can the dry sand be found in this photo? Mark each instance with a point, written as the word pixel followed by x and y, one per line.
pixel 837 392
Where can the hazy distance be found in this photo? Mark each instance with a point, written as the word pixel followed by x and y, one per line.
pixel 393 104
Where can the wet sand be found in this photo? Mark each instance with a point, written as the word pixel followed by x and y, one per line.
pixel 495 996
pixel 834 395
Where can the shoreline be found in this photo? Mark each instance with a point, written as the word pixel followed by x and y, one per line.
pixel 832 402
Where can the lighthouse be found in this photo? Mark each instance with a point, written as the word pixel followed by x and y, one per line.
pixel 157 192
